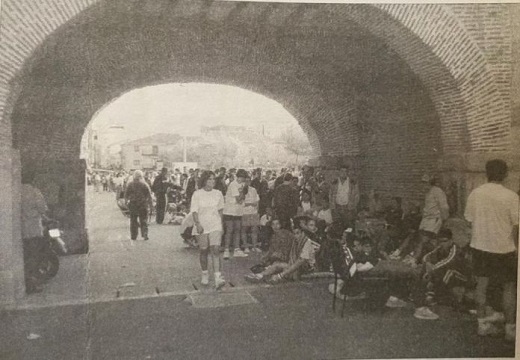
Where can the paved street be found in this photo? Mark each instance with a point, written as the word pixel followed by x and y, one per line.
pixel 145 302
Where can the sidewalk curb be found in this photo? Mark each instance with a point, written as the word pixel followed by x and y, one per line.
pixel 79 302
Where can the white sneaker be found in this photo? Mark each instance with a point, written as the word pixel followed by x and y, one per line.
pixel 510 332
pixel 226 254
pixel 339 287
pixel 425 313
pixel 395 255
pixel 487 329
pixel 394 302
pixel 258 250
pixel 239 253
pixel 246 251
pixel 219 282
pixel 204 279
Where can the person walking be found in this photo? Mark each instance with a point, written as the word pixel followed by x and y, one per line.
pixel 207 205
pixel 492 210
pixel 160 187
pixel 344 198
pixel 138 198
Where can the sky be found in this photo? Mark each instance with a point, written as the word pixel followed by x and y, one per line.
pixel 184 108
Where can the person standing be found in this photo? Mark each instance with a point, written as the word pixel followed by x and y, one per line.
pixel 207 205
pixel 260 184
pixel 33 209
pixel 221 181
pixel 436 210
pixel 138 198
pixel 192 184
pixel 97 182
pixel 233 210
pixel 286 201
pixel 344 198
pixel 250 217
pixel 160 187
pixel 492 210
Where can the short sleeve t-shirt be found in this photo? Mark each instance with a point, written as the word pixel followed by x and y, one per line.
pixel 309 250
pixel 493 211
pixel 251 197
pixel 231 206
pixel 325 215
pixel 207 205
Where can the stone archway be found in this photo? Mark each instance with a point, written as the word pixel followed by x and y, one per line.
pixel 356 76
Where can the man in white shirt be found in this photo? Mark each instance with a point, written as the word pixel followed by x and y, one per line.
pixel 233 211
pixel 493 213
pixel 344 197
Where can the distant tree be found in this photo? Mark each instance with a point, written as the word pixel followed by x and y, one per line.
pixel 295 142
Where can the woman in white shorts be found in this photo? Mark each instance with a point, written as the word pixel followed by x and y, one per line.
pixel 207 205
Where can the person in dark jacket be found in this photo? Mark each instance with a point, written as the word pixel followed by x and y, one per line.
pixel 138 198
pixel 160 187
pixel 286 200
pixel 220 181
pixel 192 185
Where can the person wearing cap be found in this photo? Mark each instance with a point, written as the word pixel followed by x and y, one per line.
pixel 138 197
pixel 435 211
pixel 492 210
pixel 233 211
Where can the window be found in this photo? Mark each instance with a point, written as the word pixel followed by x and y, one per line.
pixel 137 162
pixel 136 148
pixel 155 149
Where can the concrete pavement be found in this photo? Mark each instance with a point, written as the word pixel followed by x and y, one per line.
pixel 286 322
pixel 118 268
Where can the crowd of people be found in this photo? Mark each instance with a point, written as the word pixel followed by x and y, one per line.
pixel 296 220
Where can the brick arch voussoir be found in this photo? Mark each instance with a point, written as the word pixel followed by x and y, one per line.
pixel 462 98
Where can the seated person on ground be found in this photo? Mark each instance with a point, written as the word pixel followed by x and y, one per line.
pixel 301 260
pixel 365 255
pixel 279 244
pixel 394 217
pixel 446 276
pixel 409 232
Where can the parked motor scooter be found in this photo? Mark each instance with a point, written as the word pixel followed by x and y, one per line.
pixel 41 255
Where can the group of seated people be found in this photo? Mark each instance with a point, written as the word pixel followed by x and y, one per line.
pixel 380 243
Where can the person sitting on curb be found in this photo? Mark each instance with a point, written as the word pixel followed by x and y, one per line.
pixel 445 271
pixel 279 244
pixel 301 260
